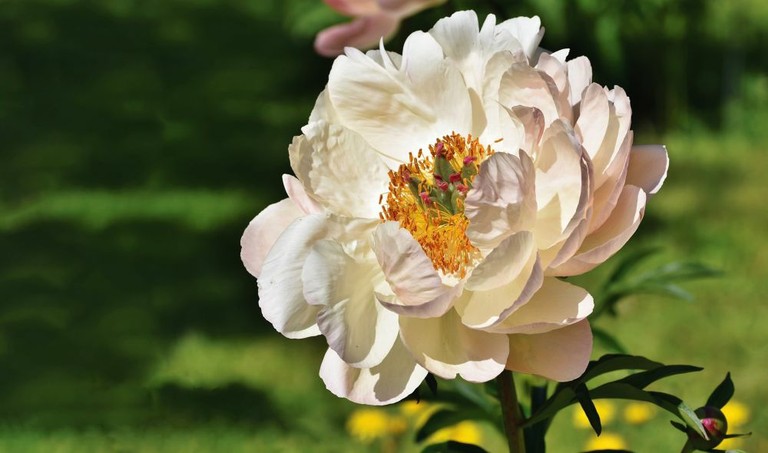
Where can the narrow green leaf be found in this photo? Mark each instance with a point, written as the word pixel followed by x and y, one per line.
pixel 678 425
pixel 582 394
pixel 615 362
pixel 645 378
pixel 630 261
pixel 432 383
pixel 608 340
pixel 608 451
pixel 475 394
pixel 722 393
pixel 692 420
pixel 453 447
pixel 559 400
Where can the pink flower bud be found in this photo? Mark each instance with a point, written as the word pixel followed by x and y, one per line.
pixel 454 178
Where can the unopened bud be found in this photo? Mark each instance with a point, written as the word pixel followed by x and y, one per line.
pixel 442 185
pixel 455 177
pixel 462 188
pixel 714 423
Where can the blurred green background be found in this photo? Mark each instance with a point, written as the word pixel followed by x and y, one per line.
pixel 138 138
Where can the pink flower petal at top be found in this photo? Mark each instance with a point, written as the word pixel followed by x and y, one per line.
pixel 373 21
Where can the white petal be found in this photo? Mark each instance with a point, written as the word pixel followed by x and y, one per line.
pixel 561 354
pixel 343 172
pixel 579 78
pixel 296 192
pixel 559 183
pixel 418 288
pixel 281 295
pixel 262 232
pixel 555 304
pixel 611 236
pixel 527 31
pixel 398 112
pixel 458 35
pixel 353 322
pixel 504 264
pixel 525 86
pixel 482 309
pixel 648 165
pixel 447 348
pixel 501 201
pixel 394 379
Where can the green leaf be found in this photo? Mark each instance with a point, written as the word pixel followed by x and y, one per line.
pixel 629 262
pixel 475 394
pixel 645 378
pixel 453 446
pixel 615 362
pixel 692 420
pixel 447 417
pixel 608 340
pixel 608 451
pixel 582 394
pixel 431 383
pixel 722 393
pixel 678 425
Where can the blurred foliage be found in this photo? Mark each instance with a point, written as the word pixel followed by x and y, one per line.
pixel 138 138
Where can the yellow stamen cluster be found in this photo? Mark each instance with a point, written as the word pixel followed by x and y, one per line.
pixel 426 196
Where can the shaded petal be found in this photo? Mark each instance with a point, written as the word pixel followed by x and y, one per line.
pixel 363 33
pixel 561 354
pixel 559 183
pixel 296 192
pixel 355 325
pixel 648 165
pixel 281 295
pixel 482 309
pixel 504 264
pixel 556 304
pixel 418 288
pixel 389 382
pixel 502 199
pixel 611 236
pixel 262 232
pixel 447 348
pixel 525 86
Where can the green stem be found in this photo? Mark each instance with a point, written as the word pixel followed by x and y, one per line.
pixel 510 410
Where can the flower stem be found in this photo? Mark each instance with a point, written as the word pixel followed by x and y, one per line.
pixel 510 410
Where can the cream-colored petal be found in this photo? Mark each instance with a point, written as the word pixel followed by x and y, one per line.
pixel 559 183
pixel 579 78
pixel 418 288
pixel 353 322
pixel 648 165
pixel 481 309
pixel 504 264
pixel 561 355
pixel 592 124
pixel 502 200
pixel 296 192
pixel 281 295
pixel 526 30
pixel 556 304
pixel 611 236
pixel 400 111
pixel 525 86
pixel 343 172
pixel 262 232
pixel 447 348
pixel 389 382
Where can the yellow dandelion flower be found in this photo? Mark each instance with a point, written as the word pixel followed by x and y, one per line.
pixel 607 441
pixel 737 414
pixel 397 424
pixel 606 409
pixel 638 413
pixel 466 432
pixel 367 425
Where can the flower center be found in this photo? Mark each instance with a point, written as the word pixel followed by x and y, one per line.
pixel 426 196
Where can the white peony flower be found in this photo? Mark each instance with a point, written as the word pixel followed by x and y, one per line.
pixel 438 196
